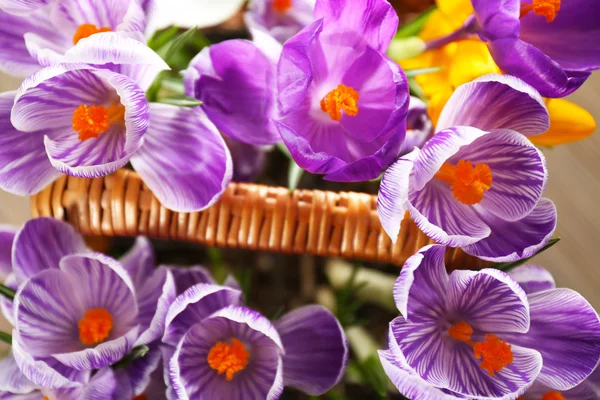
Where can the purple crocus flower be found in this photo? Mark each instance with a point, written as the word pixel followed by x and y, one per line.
pixel 235 80
pixel 419 128
pixel 343 102
pixel 551 44
pixel 555 314
pixel 281 19
pixel 90 121
pixel 477 334
pixel 215 347
pixel 477 183
pixel 42 37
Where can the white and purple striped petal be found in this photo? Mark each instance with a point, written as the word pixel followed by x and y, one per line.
pixel 192 377
pixel 532 278
pixel 514 240
pixel 23 7
pixel 12 379
pixel 195 304
pixel 187 277
pixel 565 329
pixel 40 244
pixel 184 160
pixel 139 261
pixel 496 102
pixel 316 349
pixel 281 24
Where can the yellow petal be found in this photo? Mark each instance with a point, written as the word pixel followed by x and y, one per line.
pixel 458 10
pixel 471 60
pixel 568 123
pixel 437 25
pixel 436 104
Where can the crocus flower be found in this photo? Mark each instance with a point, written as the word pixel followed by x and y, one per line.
pixel 551 44
pixel 552 313
pixel 477 184
pixel 419 127
pixel 343 102
pixel 106 122
pixel 217 348
pixel 235 80
pixel 23 7
pixel 248 160
pixel 43 37
pixel 281 19
pixel 479 335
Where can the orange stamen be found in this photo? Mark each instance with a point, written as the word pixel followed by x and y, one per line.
pixel 282 5
pixel 467 182
pixel 87 30
pixel 543 8
pixel 228 360
pixel 92 121
pixel 496 353
pixel 95 326
pixel 553 396
pixel 343 98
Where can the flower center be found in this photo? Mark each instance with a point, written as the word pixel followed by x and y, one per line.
pixel 228 359
pixel 495 353
pixel 282 5
pixel 87 30
pixel 343 98
pixel 95 326
pixel 91 121
pixel 468 182
pixel 543 8
pixel 553 396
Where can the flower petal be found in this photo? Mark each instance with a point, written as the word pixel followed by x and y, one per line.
pixel 187 277
pixel 568 123
pixel 489 300
pixel 41 243
pixel 532 278
pixel 154 299
pixel 515 57
pixel 12 379
pixel 195 304
pixel 22 7
pixel 184 160
pixel 376 20
pixel 498 19
pixel 316 349
pixel 105 384
pixel 514 240
pixel 7 306
pixel 393 194
pixel 142 371
pixel 139 262
pixel 7 238
pixel 25 168
pixel 496 101
pixel 565 329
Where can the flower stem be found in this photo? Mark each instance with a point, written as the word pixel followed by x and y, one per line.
pixel 7 292
pixel 468 29
pixel 5 337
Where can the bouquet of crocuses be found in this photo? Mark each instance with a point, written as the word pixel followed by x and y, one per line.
pixel 447 113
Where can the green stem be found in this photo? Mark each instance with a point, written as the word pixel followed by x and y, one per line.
pixel 136 352
pixel 5 337
pixel 7 292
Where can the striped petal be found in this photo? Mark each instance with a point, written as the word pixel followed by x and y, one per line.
pixel 565 329
pixel 70 14
pixel 195 304
pixel 154 299
pixel 22 7
pixel 105 384
pixel 532 278
pixel 139 261
pixel 184 160
pixel 514 240
pixel 193 378
pixel 41 243
pixel 519 173
pixel 12 379
pixel 393 194
pixel 316 349
pixel 489 300
pixel 7 238
pixel 496 102
pixel 187 277
pixel 24 165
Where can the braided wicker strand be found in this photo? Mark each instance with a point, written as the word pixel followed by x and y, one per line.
pixel 248 216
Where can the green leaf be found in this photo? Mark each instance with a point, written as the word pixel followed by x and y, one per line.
pixel 294 175
pixel 373 373
pixel 182 101
pixel 414 27
pixel 161 38
pixel 411 73
pixel 218 267
pixel 283 148
pixel 5 337
pixel 136 352
pixel 152 92
pixel 415 89
pixel 7 292
pixel 508 266
pixel 177 44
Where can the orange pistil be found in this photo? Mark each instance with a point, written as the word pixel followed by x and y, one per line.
pixel 553 396
pixel 282 5
pixel 343 98
pixel 543 8
pixel 95 326
pixel 87 30
pixel 92 121
pixel 228 360
pixel 467 182
pixel 496 353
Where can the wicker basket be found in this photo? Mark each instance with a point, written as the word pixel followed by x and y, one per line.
pixel 248 216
